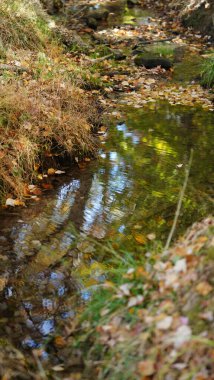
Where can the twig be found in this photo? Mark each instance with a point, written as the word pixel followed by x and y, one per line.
pixel 102 58
pixel 180 200
pixel 142 42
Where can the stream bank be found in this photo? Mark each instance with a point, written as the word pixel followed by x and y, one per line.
pixel 110 218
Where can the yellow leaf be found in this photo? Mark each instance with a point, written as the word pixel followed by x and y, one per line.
pixel 140 239
pixel 51 171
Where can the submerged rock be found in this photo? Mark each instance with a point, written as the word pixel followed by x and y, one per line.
pixel 99 14
pixel 115 6
pixel 132 3
pixel 150 63
pixel 95 16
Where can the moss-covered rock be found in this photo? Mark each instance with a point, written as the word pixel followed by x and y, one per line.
pixel 150 63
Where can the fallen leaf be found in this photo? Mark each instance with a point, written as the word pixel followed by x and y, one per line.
pixel 151 236
pixel 141 239
pixel 14 202
pixel 133 301
pixel 59 341
pixel 59 172
pixel 47 186
pixel 51 171
pixel 146 367
pixel 165 323
pixel 58 368
pixel 182 335
pixel 204 288
pixel 180 266
pixel 125 289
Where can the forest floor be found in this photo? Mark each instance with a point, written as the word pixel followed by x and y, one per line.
pixel 150 320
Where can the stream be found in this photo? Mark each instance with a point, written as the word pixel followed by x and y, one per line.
pixel 50 259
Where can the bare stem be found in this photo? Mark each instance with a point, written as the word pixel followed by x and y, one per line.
pixel 180 200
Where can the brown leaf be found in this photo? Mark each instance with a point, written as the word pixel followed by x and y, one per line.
pixel 146 367
pixel 204 288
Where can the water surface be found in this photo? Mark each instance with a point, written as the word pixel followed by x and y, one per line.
pixel 50 260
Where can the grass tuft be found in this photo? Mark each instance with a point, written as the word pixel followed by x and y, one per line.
pixel 23 24
pixel 208 72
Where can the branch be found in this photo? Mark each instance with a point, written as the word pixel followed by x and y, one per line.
pixel 102 58
pixel 142 42
pixel 13 68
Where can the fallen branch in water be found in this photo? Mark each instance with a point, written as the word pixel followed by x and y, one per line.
pixel 180 200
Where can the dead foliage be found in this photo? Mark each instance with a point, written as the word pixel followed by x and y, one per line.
pixel 22 24
pixel 40 117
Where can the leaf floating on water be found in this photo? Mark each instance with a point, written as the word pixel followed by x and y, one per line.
pixel 59 172
pixel 47 186
pixel 151 236
pixel 3 282
pixel 59 341
pixel 14 202
pixel 140 239
pixel 51 171
pixel 58 368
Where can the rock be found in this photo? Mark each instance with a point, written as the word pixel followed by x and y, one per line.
pixel 118 55
pixel 100 14
pixel 132 3
pixel 70 38
pixel 115 6
pixel 94 16
pixel 53 6
pixel 150 63
pixel 201 18
pixel 179 53
pixel 92 23
pixel 36 244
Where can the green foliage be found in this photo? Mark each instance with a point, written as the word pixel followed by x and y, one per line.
pixel 163 50
pixel 208 71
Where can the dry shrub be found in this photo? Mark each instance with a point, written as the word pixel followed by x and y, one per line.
pixel 40 117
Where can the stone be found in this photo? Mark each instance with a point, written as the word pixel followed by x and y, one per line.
pixel 132 3
pixel 150 63
pixel 100 14
pixel 118 55
pixel 92 23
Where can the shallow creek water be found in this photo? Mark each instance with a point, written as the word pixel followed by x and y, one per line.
pixel 52 253
pixel 49 271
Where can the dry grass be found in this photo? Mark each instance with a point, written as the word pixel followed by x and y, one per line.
pixel 23 24
pixel 39 117
pixel 41 110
